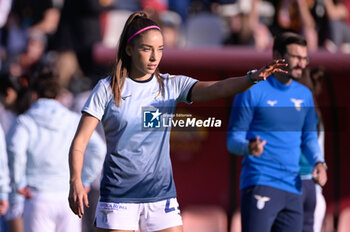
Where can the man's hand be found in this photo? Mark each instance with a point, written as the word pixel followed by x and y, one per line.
pixel 319 174
pixel 256 146
pixel 4 205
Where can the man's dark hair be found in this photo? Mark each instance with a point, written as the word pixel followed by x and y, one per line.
pixel 283 40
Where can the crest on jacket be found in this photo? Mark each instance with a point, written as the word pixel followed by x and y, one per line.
pixel 260 204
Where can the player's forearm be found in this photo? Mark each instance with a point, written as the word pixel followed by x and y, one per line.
pixel 207 91
pixel 96 152
pixel 81 139
pixel 76 160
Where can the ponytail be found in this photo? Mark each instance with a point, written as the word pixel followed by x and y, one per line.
pixel 133 28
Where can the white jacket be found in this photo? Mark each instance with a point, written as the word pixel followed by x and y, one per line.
pixel 4 173
pixel 38 148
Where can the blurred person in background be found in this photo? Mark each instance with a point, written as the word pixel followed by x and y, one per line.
pixel 33 58
pixel 4 179
pixel 239 33
pixel 130 5
pixel 259 29
pixel 9 88
pixel 295 15
pixel 170 23
pixel 180 7
pixel 5 6
pixel 78 30
pixel 38 148
pixel 256 22
pixel 204 27
pixel 288 15
pixel 269 123
pixel 249 22
pixel 41 16
pixel 338 12
pixel 314 203
pixel 15 98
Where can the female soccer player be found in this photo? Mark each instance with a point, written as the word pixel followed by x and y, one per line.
pixel 137 186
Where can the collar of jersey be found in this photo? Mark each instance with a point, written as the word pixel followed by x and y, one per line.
pixel 143 81
pixel 278 85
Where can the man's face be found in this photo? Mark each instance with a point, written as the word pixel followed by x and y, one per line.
pixel 297 59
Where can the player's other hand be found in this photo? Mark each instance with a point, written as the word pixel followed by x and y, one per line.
pixel 256 146
pixel 78 198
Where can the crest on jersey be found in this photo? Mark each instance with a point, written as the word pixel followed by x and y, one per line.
pixel 297 103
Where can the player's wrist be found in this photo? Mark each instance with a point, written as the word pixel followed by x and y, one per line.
pixel 252 80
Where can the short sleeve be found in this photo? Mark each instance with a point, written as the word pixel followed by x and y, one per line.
pixel 183 85
pixel 98 99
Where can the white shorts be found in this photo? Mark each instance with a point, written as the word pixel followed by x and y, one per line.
pixel 16 206
pixel 15 211
pixel 49 212
pixel 152 216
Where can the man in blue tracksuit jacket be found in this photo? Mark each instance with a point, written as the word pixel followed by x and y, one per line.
pixel 269 124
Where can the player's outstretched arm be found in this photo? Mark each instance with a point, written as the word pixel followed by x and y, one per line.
pixel 77 193
pixel 211 90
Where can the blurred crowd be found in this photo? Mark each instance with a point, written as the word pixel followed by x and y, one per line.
pixel 60 34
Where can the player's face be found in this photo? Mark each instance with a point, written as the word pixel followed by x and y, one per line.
pixel 146 54
pixel 296 56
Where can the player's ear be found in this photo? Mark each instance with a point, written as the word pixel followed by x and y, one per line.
pixel 128 50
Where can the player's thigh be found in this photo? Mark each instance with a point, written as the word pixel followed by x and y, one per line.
pixel 161 216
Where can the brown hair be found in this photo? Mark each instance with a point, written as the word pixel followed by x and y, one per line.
pixel 283 40
pixel 46 85
pixel 135 22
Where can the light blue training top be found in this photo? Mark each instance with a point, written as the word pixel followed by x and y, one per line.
pixel 137 167
pixel 4 173
pixel 38 148
pixel 284 116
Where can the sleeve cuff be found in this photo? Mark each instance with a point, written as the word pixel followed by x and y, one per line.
pixel 4 196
